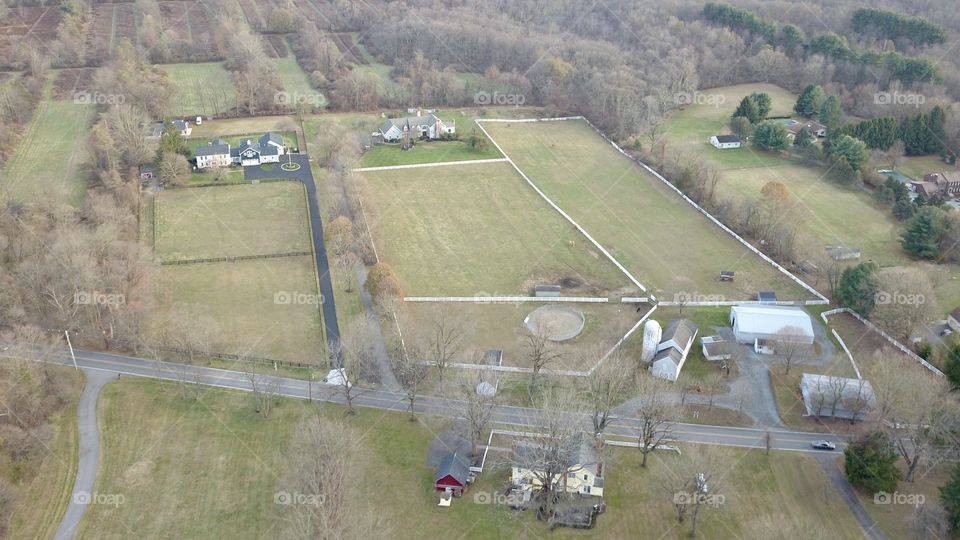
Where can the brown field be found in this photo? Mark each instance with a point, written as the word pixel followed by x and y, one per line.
pixel 501 326
pixel 191 22
pixel 70 81
pixel 867 346
pixel 348 48
pixel 32 24
pixel 112 23
pixel 275 46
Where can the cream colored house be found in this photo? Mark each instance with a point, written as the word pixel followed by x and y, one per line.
pixel 583 475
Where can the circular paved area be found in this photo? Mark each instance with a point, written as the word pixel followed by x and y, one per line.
pixel 559 322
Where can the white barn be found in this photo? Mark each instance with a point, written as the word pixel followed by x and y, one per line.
pixel 672 351
pixel 725 141
pixel 755 323
pixel 422 127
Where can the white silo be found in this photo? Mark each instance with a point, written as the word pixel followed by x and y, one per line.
pixel 651 339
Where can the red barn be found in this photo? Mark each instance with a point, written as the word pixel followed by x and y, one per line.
pixel 452 475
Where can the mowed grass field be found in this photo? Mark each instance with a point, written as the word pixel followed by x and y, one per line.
pixel 210 468
pixel 426 152
pixel 663 240
pixel 231 221
pixel 47 162
pixel 501 326
pixel 241 299
pixel 297 84
pixel 831 213
pixel 476 229
pixel 203 88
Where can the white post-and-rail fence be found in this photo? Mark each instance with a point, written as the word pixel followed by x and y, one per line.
pixel 822 300
pixel 893 341
pixel 846 350
pixel 563 372
pixel 508 299
pixel 566 216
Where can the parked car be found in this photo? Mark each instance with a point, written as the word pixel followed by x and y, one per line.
pixel 823 445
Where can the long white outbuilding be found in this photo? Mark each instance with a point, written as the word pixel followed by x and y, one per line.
pixel 770 323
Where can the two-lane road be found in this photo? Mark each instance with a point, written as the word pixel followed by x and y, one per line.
pixel 504 414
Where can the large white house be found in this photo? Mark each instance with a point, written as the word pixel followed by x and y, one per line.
pixel 420 127
pixel 215 154
pixel 672 351
pixel 267 149
pixel 584 470
pixel 725 141
pixel 754 324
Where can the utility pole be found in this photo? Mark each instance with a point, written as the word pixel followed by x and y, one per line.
pixel 67 333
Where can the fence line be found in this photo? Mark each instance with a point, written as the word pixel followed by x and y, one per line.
pixel 893 341
pixel 239 358
pixel 652 171
pixel 506 299
pixel 746 302
pixel 424 165
pixel 846 350
pixel 619 343
pixel 634 299
pixel 562 213
pixel 238 258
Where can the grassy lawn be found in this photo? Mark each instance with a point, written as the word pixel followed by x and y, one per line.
pixel 425 152
pixel 203 88
pixel 297 84
pixel 45 498
pixel 478 229
pixel 501 326
pixel 32 174
pixel 238 127
pixel 832 213
pixel 663 240
pixel 693 125
pixel 895 519
pixel 917 167
pixel 209 469
pixel 240 299
pixel 233 221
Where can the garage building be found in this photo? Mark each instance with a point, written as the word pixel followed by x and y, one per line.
pixel 753 323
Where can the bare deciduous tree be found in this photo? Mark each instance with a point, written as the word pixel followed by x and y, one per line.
pixel 410 372
pixel 791 346
pixel 656 412
pixel 541 352
pixel 608 382
pixel 356 354
pixel 444 339
pixel 694 482
pixel 477 409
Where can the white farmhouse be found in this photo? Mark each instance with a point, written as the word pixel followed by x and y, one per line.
pixel 584 470
pixel 725 141
pixel 215 154
pixel 755 324
pixel 421 127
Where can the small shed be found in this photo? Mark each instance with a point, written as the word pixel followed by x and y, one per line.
pixel 452 474
pixel 547 291
pixel 716 348
pixel 726 275
pixel 766 296
pixel 843 253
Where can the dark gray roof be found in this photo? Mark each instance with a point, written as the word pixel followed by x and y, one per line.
pixel 180 124
pixel 454 465
pixel 727 138
pixel 681 331
pixel 216 147
pixel 271 137
pixel 409 121
pixel 955 313
pixel 269 150
pixel 582 452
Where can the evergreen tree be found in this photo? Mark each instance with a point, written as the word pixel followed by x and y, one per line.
pixel 771 136
pixel 808 104
pixel 871 464
pixel 923 232
pixel 952 367
pixel 763 104
pixel 803 138
pixel 830 114
pixel 903 209
pixel 747 109
pixel 858 287
pixel 950 499
pixel 854 151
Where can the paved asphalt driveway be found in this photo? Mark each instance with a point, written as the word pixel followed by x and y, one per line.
pixel 304 175
pixel 89 459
